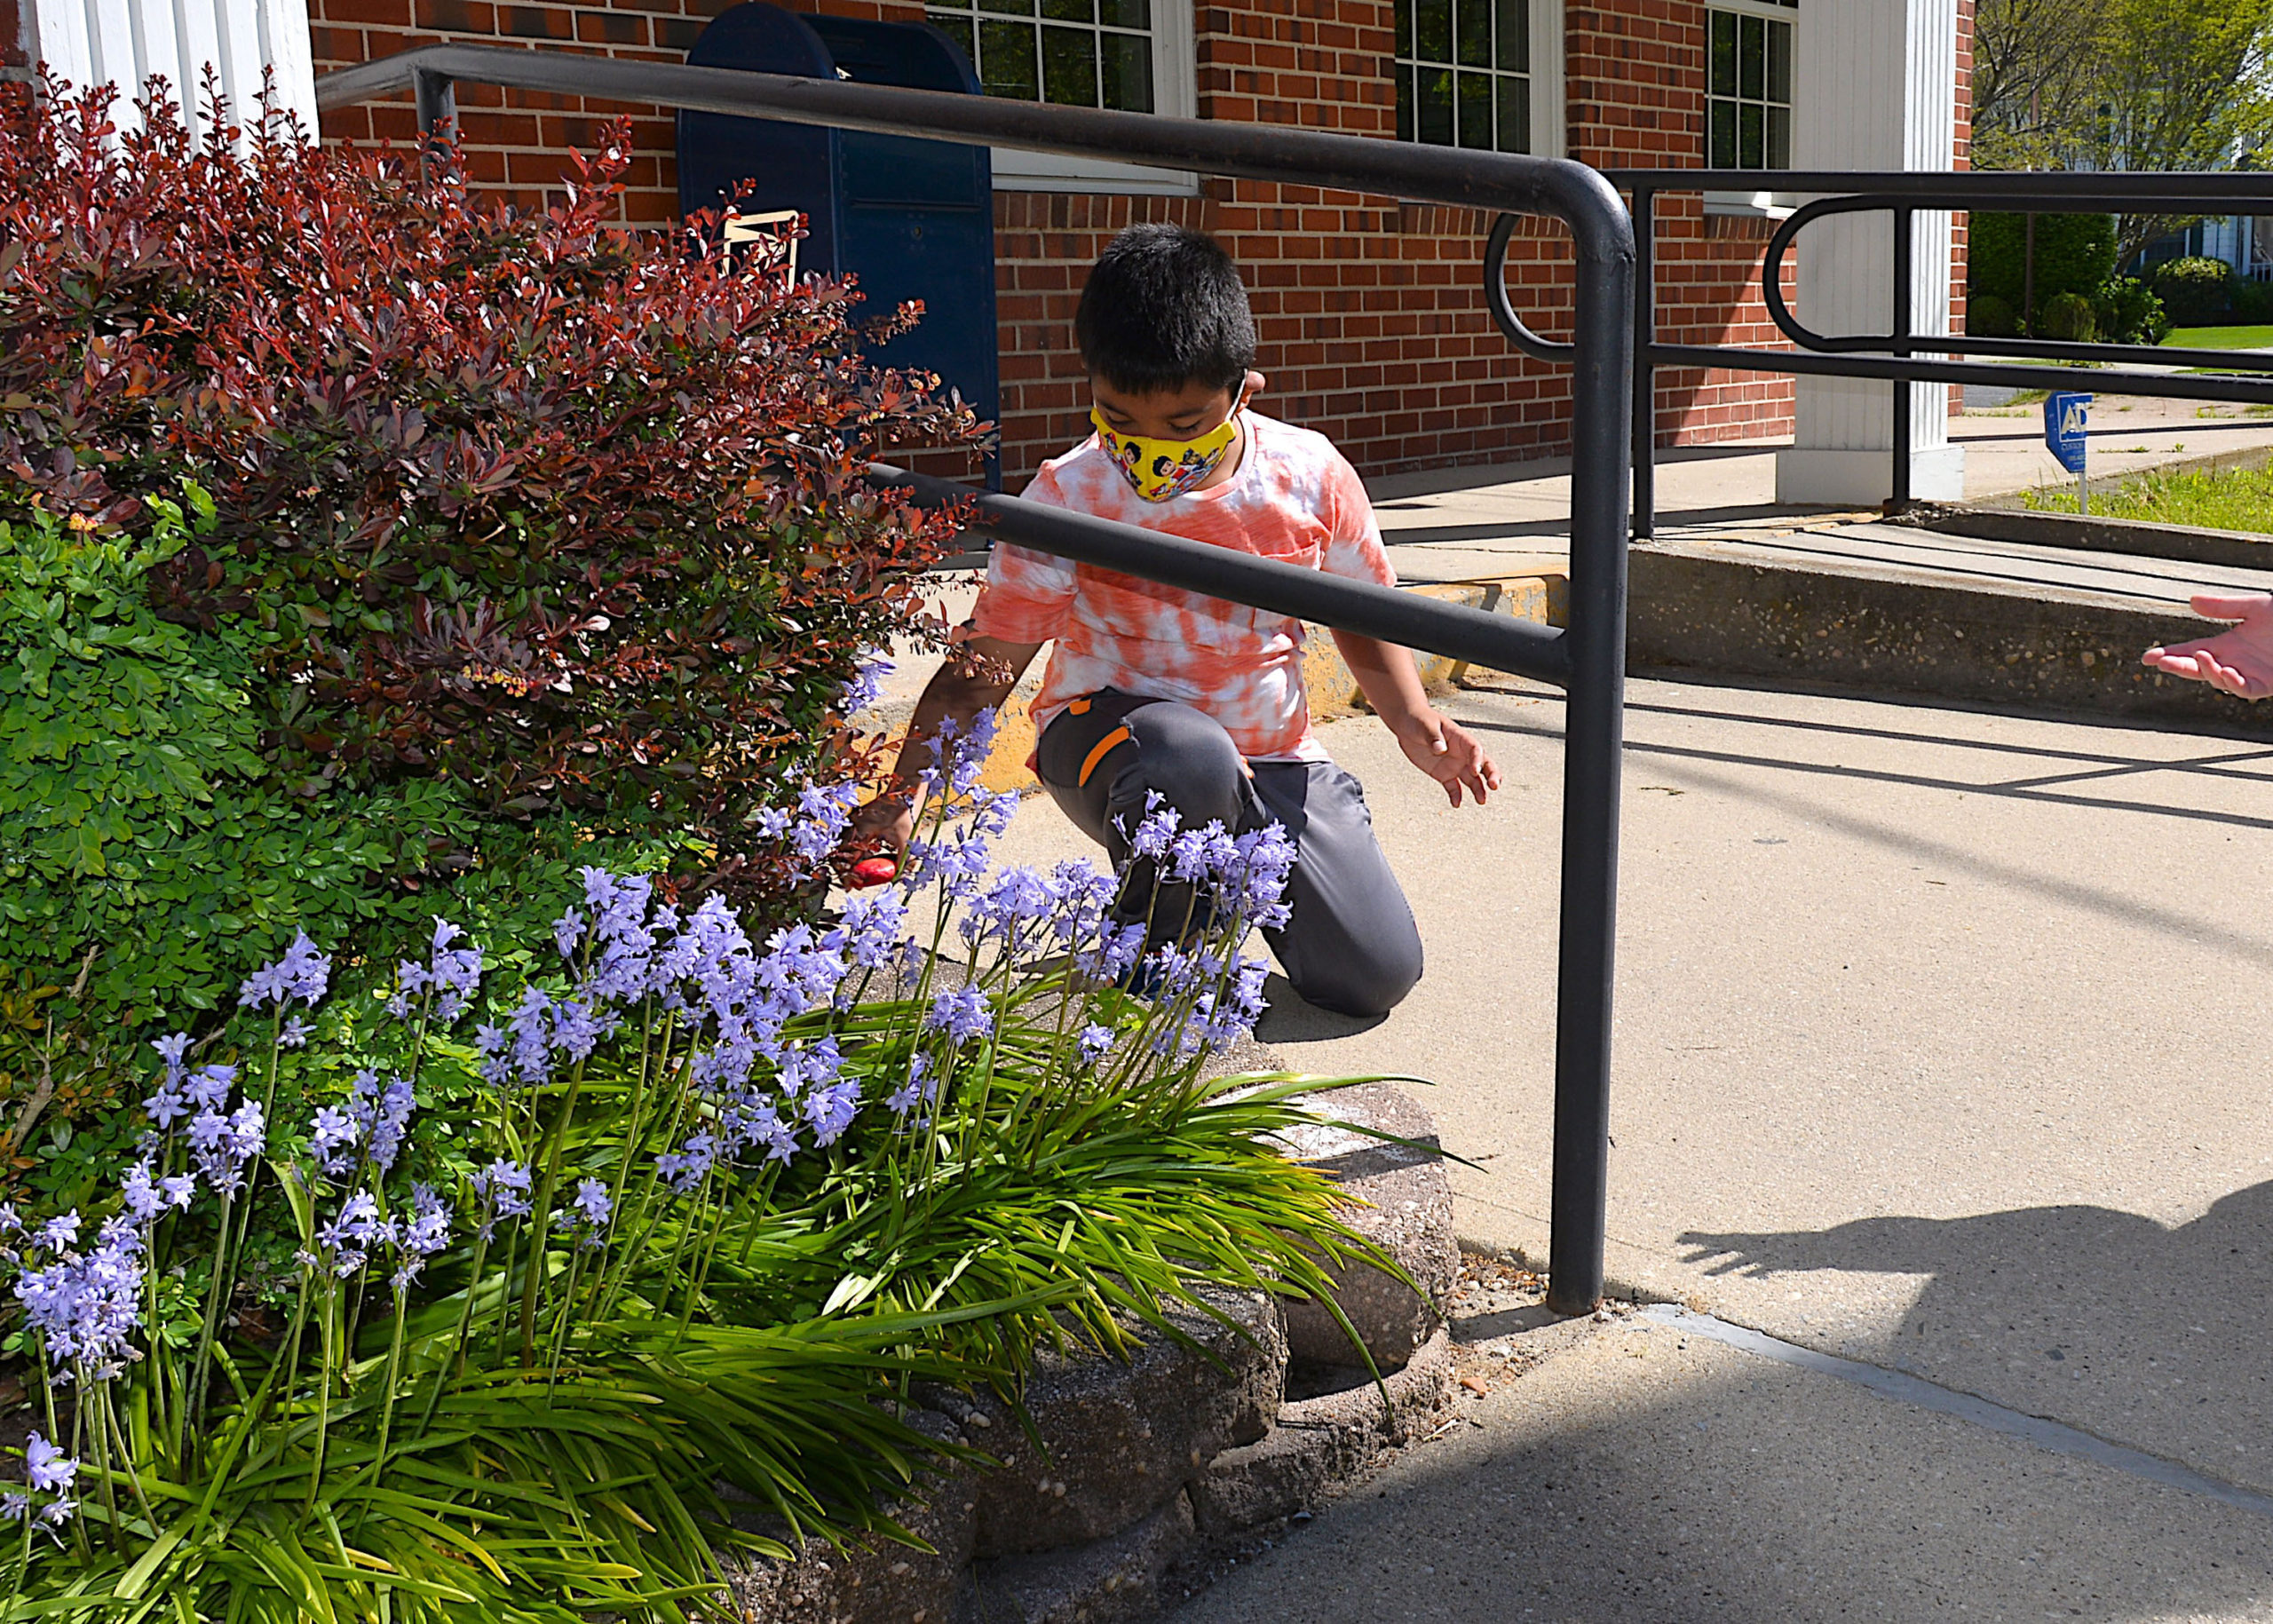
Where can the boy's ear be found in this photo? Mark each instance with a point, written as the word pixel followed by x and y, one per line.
pixel 1255 384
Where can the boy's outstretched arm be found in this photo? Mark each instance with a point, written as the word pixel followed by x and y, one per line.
pixel 1432 741
pixel 978 676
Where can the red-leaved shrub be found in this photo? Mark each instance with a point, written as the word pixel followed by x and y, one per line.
pixel 569 518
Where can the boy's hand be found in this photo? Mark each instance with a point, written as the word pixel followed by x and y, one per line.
pixel 2240 660
pixel 888 820
pixel 1448 753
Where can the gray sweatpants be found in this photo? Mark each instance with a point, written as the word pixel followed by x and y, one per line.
pixel 1350 944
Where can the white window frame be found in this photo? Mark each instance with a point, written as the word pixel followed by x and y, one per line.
pixel 1175 80
pixel 1550 117
pixel 1753 205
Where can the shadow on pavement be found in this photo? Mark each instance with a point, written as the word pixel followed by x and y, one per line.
pixel 1288 1019
pixel 2151 1337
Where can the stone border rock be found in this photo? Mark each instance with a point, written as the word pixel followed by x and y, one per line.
pixel 1136 1467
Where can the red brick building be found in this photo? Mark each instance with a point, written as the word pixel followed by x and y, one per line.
pixel 1372 325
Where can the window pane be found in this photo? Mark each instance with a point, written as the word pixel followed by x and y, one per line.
pixel 1128 13
pixel 1779 137
pixel 1751 146
pixel 1723 53
pixel 1069 66
pixel 1475 110
pixel 1722 142
pixel 1751 69
pixel 1435 106
pixel 1515 113
pixel 1472 32
pixel 1022 8
pixel 1434 36
pixel 957 28
pixel 1515 38
pixel 1779 62
pixel 1404 103
pixel 1070 11
pixel 1127 72
pixel 1404 27
pixel 1006 60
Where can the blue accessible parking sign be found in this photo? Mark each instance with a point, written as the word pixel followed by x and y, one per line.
pixel 2063 427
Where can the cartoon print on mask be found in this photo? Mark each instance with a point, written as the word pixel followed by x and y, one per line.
pixel 1163 469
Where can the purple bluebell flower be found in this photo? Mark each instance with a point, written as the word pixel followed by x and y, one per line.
pixel 345 1243
pixel 863 687
pixel 1094 1043
pixel 304 973
pixel 46 1467
pixel 684 1169
pixel 208 1086
pixel 577 1028
pixel 426 1232
pixel 293 1034
pixel 568 933
pixel 166 1107
pixel 962 1014
pixel 755 1121
pixel 831 1109
pixel 1156 832
pixel 332 1136
pixel 593 1208
pixel 58 1234
pixel 85 1308
pixel 58 1511
pixel 770 822
pixel 919 1089
pixel 15 1505
pixel 223 1144
pixel 503 1189
pixel 531 1024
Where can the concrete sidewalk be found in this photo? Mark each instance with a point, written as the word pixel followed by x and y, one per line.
pixel 1940 1046
pixel 1460 524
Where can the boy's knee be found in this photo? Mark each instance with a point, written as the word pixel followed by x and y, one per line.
pixel 1366 983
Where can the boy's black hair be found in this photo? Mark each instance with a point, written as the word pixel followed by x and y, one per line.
pixel 1164 308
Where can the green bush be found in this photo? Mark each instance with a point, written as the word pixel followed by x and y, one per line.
pixel 2196 292
pixel 522 532
pixel 2127 311
pixel 2252 302
pixel 2068 317
pixel 1990 316
pixel 143 834
pixel 2075 253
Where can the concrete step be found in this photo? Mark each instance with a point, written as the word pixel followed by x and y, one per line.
pixel 1886 608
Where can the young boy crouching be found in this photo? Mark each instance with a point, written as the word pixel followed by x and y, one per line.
pixel 1155 695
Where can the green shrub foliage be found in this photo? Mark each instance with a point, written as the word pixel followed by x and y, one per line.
pixel 2068 316
pixel 2075 253
pixel 2196 292
pixel 510 530
pixel 1990 316
pixel 2128 312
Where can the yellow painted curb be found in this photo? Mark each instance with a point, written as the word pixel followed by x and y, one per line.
pixel 1542 596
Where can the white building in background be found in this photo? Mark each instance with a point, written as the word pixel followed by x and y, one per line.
pixel 124 42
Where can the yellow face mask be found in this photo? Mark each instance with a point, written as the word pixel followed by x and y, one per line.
pixel 1162 469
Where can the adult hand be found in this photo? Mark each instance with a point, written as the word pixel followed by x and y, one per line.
pixel 1448 753
pixel 2240 660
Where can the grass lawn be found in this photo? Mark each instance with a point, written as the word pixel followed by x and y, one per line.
pixel 2229 499
pixel 2221 337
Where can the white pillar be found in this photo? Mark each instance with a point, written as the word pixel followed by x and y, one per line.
pixel 1875 89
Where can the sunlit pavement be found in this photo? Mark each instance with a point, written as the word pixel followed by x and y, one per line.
pixel 1941 1046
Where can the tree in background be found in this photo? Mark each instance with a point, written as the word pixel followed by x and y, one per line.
pixel 2123 84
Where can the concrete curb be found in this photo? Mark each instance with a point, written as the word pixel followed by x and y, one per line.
pixel 2240 549
pixel 1876 630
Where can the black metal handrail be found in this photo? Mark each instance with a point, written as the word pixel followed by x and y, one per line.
pixel 1893 356
pixel 1588 659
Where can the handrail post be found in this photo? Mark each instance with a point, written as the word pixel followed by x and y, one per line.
pixel 1646 378
pixel 1899 496
pixel 1601 428
pixel 438 104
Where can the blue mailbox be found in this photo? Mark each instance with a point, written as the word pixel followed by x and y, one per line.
pixel 912 219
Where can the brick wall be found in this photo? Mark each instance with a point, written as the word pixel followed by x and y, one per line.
pixel 515 141
pixel 1964 161
pixel 12 35
pixel 1369 311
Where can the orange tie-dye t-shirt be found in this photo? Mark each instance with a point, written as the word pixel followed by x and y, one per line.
pixel 1293 499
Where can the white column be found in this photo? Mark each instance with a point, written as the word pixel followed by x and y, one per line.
pixel 123 42
pixel 1875 89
